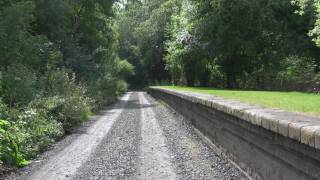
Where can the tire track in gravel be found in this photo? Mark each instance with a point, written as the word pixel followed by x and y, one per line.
pixel 155 159
pixel 65 163
pixel 116 156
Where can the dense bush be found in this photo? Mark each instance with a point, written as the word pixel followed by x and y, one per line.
pixel 58 82
pixel 40 111
pixel 125 69
pixel 69 110
pixel 106 88
pixel 65 100
pixel 25 133
pixel 298 73
pixel 9 151
pixel 104 91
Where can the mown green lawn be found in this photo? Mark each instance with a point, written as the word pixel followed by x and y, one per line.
pixel 291 101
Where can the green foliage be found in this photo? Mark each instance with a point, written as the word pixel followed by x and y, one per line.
pixel 142 27
pixel 65 100
pixel 60 82
pixel 310 6
pixel 183 59
pixel 58 62
pixel 24 134
pixel 240 44
pixel 221 43
pixel 9 152
pixel 299 74
pixel 19 44
pixel 105 90
pixel 69 110
pixel 17 85
pixel 34 131
pixel 125 69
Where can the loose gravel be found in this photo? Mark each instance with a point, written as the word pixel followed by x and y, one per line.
pixel 116 157
pixel 155 158
pixel 193 158
pixel 138 138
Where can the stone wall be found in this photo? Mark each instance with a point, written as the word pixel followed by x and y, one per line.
pixel 266 143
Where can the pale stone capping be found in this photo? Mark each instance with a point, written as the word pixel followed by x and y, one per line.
pixel 299 127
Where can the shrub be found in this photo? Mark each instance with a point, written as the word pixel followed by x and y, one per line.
pixel 108 87
pixel 104 91
pixel 58 82
pixel 65 100
pixel 35 132
pixel 71 111
pixel 122 87
pixel 25 134
pixel 9 151
pixel 125 69
pixel 316 84
pixel 34 126
pixel 298 74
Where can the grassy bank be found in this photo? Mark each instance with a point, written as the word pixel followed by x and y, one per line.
pixel 291 101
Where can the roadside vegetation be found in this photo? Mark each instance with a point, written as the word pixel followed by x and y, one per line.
pixel 58 64
pixel 300 102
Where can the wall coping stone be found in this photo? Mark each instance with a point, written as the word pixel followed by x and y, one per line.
pixel 299 127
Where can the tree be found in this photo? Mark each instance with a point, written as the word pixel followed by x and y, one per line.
pixel 252 37
pixel 183 58
pixel 143 33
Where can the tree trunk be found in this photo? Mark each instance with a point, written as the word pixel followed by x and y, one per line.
pixel 204 81
pixel 231 80
pixel 190 80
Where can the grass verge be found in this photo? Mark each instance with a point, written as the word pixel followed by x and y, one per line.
pixel 300 102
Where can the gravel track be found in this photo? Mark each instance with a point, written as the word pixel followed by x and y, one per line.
pixel 116 156
pixel 138 138
pixel 155 159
